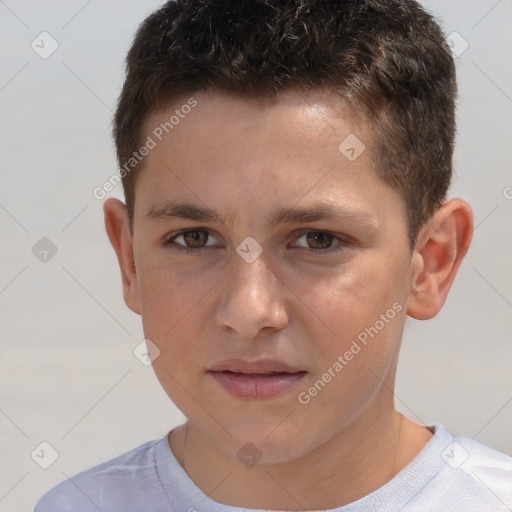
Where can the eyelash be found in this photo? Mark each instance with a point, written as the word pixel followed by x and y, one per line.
pixel 343 242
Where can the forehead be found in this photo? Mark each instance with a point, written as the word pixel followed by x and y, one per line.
pixel 304 113
pixel 212 130
pixel 231 153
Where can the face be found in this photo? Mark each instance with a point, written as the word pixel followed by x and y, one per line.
pixel 272 270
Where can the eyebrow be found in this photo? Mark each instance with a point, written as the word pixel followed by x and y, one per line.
pixel 316 212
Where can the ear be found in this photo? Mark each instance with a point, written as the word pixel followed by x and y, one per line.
pixel 440 248
pixel 118 231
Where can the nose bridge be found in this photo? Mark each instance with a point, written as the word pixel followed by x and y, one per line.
pixel 253 282
pixel 251 299
pixel 254 277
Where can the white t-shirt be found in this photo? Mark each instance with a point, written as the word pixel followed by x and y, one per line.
pixel 449 474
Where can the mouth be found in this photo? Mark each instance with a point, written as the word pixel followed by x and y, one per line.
pixel 256 380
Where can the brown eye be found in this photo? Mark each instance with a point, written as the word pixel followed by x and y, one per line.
pixel 192 239
pixel 195 239
pixel 319 239
pixel 321 242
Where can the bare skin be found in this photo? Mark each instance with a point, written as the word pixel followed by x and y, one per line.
pixel 296 302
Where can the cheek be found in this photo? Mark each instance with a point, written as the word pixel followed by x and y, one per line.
pixel 364 314
pixel 169 295
pixel 352 299
pixel 174 316
pixel 363 308
pixel 175 312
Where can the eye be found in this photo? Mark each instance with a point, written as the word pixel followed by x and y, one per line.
pixel 191 240
pixel 321 242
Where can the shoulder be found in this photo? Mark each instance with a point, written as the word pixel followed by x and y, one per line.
pixel 477 473
pixel 490 467
pixel 114 485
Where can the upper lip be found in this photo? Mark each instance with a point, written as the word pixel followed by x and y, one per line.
pixel 260 366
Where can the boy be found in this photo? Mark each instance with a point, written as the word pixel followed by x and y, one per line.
pixel 285 167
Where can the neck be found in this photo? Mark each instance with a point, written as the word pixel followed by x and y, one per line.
pixel 340 471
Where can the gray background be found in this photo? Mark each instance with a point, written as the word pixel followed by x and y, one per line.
pixel 67 371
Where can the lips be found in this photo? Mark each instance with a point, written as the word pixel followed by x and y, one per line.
pixel 254 380
pixel 263 366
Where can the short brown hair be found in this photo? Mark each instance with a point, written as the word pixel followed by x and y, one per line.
pixel 387 58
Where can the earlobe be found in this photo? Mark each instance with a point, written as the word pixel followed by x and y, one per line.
pixel 439 251
pixel 118 231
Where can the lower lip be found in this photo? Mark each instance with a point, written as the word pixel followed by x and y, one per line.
pixel 256 386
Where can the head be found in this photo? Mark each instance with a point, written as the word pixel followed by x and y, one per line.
pixel 309 145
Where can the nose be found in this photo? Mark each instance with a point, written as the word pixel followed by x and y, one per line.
pixel 252 300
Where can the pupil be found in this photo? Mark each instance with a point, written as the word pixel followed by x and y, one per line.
pixel 195 238
pixel 324 239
